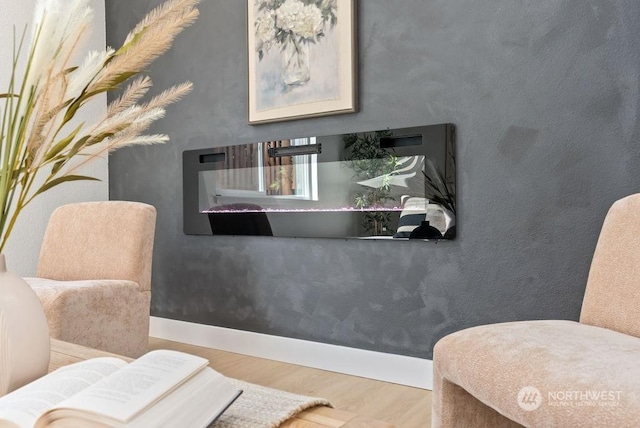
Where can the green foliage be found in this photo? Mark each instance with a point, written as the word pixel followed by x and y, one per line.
pixel 276 186
pixel 437 188
pixel 368 161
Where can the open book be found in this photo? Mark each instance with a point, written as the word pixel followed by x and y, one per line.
pixel 161 388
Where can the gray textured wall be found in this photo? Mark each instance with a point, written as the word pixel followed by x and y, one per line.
pixel 545 97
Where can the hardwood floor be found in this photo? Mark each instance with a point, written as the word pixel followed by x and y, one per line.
pixel 403 406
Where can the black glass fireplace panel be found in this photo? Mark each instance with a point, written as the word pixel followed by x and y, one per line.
pixel 385 184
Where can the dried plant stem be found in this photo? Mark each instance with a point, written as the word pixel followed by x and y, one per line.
pixel 37 129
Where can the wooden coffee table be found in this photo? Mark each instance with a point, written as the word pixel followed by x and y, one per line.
pixel 63 353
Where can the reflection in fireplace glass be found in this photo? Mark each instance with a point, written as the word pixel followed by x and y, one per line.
pixel 384 185
pixel 249 172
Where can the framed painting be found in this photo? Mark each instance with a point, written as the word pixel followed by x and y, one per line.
pixel 301 58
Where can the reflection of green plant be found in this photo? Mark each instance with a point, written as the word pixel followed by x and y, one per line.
pixel 276 186
pixel 437 189
pixel 368 161
pixel 367 158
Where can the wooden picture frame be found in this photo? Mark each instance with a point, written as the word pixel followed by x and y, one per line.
pixel 302 59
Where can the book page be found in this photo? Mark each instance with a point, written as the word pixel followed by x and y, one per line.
pixel 24 405
pixel 137 386
pixel 195 403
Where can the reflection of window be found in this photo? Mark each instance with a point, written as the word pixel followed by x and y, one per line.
pixel 293 176
pixel 241 174
pixel 249 171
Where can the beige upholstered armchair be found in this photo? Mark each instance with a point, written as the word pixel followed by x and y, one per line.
pixel 94 275
pixel 555 373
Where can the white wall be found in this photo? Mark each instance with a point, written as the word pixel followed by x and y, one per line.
pixel 24 244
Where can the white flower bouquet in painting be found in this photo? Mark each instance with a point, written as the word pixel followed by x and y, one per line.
pixel 292 25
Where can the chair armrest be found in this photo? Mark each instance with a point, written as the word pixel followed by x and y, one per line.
pixel 569 363
pixel 111 315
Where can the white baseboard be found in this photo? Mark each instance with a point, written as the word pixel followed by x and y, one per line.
pixel 410 371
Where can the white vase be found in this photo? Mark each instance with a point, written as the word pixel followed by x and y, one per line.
pixel 295 64
pixel 24 333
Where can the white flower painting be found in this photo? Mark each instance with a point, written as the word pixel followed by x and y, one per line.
pixel 301 58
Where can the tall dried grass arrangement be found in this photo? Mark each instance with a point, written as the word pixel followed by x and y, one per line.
pixel 39 135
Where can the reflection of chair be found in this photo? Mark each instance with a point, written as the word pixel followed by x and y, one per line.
pixel 555 373
pixel 94 275
pixel 415 210
pixel 239 219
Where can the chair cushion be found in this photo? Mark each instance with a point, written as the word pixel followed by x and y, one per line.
pixel 612 297
pixel 587 376
pixel 96 240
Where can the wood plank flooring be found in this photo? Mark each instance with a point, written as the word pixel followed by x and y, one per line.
pixel 403 406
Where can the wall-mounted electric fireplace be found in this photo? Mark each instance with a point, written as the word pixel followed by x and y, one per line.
pixel 386 184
